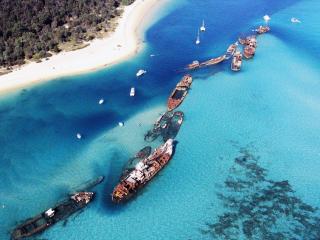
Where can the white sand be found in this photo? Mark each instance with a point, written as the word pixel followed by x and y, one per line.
pixel 125 42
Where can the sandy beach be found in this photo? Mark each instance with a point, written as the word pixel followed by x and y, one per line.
pixel 121 44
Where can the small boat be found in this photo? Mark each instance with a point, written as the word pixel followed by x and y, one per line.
pixel 262 29
pixel 51 216
pixel 295 20
pixel 198 38
pixel 213 61
pixel 141 72
pixel 202 28
pixel 193 65
pixel 143 172
pixel 101 101
pixel 132 92
pixel 121 124
pixel 231 50
pixel 180 92
pixel 79 136
pixel 236 61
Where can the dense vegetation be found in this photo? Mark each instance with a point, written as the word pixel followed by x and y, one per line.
pixel 30 29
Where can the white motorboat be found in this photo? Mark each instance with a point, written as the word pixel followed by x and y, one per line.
pixel 79 136
pixel 141 72
pixel 101 101
pixel 266 18
pixel 295 20
pixel 132 92
pixel 121 124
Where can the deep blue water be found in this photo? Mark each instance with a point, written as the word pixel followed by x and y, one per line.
pixel 269 109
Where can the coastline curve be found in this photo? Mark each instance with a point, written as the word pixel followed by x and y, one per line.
pixel 125 42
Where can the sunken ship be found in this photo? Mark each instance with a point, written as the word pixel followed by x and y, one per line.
pixel 180 92
pixel 262 29
pixel 167 126
pixel 143 172
pixel 132 162
pixel 236 61
pixel 51 216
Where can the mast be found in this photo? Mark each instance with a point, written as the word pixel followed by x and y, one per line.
pixel 202 28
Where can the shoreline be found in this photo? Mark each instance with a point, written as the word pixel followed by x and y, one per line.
pixel 125 42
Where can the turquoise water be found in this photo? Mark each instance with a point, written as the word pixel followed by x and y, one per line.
pixel 270 109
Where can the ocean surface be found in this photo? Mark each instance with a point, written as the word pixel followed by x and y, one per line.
pixel 247 158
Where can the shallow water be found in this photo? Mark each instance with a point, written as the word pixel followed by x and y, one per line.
pixel 271 108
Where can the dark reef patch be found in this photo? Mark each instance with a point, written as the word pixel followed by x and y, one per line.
pixel 256 207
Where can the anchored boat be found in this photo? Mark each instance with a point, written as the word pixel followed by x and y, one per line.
pixel 236 61
pixel 295 20
pixel 101 101
pixel 202 28
pixel 132 92
pixel 143 172
pixel 55 214
pixel 198 38
pixel 141 72
pixel 180 92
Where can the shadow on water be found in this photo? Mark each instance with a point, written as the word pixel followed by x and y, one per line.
pixel 257 207
pixel 111 179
